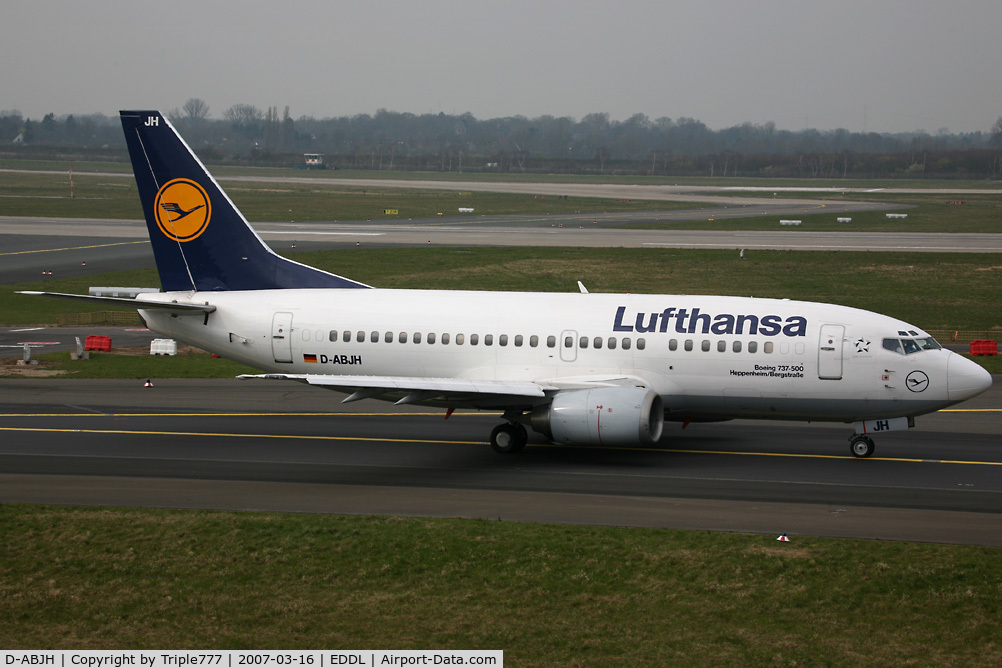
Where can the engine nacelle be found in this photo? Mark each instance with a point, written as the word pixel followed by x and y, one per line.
pixel 613 416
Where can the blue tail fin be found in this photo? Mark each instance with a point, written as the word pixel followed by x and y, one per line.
pixel 200 239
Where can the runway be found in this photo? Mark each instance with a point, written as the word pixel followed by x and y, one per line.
pixel 66 247
pixel 69 248
pixel 277 445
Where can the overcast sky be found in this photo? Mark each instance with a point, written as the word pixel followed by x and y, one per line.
pixel 875 65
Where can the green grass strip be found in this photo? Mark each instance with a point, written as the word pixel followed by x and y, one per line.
pixel 941 291
pixel 547 595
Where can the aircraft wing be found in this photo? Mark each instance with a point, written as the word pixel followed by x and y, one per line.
pixel 126 302
pixel 455 392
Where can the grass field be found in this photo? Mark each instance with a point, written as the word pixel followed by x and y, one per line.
pixel 119 363
pixel 949 291
pixel 547 595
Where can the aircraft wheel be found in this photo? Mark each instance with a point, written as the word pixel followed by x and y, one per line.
pixel 523 435
pixel 508 438
pixel 861 446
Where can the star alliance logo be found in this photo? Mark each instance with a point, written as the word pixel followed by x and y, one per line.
pixel 862 346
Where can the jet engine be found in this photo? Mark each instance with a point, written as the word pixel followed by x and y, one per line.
pixel 612 416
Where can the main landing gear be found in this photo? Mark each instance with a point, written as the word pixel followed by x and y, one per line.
pixel 509 438
pixel 861 445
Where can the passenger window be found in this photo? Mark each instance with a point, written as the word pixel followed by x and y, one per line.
pixel 388 338
pixel 688 345
pixel 705 346
pixel 460 339
pixel 533 341
pixel 518 340
pixel 583 343
pixel 721 346
pixel 374 337
pixel 596 342
pixel 488 339
pixel 474 339
pixel 360 337
pixel 753 346
pixel 641 343
pixel 332 336
pixel 346 336
pixel 551 341
pixel 417 337
pixel 736 347
pixel 568 342
pixel 431 338
pixel 673 345
pixel 503 340
pixel 612 343
pixel 627 342
pixel 403 337
pixel 767 348
pixel 445 339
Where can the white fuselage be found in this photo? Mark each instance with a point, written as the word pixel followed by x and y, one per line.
pixel 708 357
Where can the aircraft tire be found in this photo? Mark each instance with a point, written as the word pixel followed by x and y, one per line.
pixel 861 446
pixel 508 438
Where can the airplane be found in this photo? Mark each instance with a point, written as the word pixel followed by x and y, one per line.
pixel 579 368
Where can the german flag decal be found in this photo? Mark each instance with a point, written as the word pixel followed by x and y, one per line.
pixel 312 359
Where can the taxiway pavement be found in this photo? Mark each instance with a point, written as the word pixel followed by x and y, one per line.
pixel 35 249
pixel 279 445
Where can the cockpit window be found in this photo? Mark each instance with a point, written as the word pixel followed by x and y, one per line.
pixel 911 346
pixel 893 345
pixel 929 344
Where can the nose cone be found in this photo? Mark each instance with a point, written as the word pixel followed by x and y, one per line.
pixel 966 379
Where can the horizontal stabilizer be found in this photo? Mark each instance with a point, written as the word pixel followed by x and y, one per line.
pixel 127 302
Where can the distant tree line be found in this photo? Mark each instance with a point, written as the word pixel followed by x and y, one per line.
pixel 596 144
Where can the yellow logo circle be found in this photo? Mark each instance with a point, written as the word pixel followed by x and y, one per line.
pixel 182 209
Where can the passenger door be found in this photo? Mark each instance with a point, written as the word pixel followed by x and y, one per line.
pixel 281 337
pixel 830 352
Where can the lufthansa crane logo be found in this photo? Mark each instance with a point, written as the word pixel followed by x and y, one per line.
pixel 917 381
pixel 182 209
